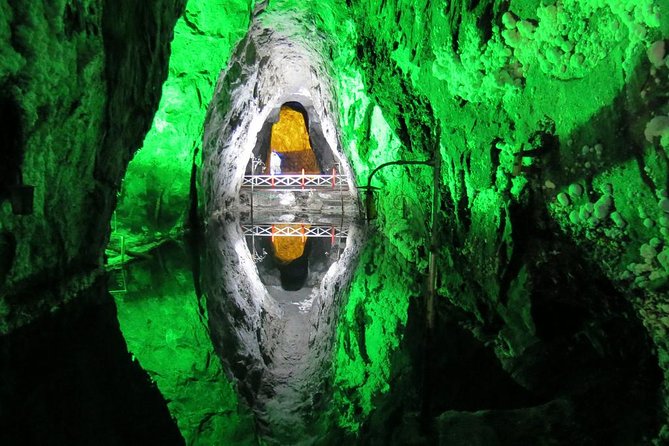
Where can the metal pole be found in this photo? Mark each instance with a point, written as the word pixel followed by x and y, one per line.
pixel 432 258
pixel 341 221
pixel 253 180
pixel 428 350
pixel 369 195
pixel 341 192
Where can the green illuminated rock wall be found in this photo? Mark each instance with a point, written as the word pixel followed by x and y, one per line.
pixel 552 311
pixel 490 81
pixel 162 320
pixel 81 81
pixel 165 326
pixel 155 195
pixel 581 82
pixel 79 85
pixel 394 262
pixel 62 87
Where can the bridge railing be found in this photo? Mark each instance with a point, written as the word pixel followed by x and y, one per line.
pixel 304 230
pixel 295 181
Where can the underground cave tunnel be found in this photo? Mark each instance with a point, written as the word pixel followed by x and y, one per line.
pixel 189 266
pixel 298 207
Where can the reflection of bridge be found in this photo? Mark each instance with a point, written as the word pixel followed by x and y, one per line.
pixel 303 230
pixel 322 200
pixel 296 182
pixel 302 206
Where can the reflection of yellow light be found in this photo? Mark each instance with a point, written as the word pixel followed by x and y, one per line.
pixel 287 249
pixel 290 138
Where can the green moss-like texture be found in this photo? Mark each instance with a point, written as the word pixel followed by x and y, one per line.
pixel 79 84
pixel 552 242
pixel 69 93
pixel 154 200
pixel 164 325
pixel 160 315
pixel 497 79
pixel 538 110
pixel 369 331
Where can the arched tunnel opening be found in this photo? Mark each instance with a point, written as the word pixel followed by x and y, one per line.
pixel 288 196
pixel 298 143
pixel 302 170
pixel 361 222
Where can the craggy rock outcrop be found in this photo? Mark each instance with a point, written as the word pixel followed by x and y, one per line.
pixel 82 81
pixel 552 236
pixel 551 246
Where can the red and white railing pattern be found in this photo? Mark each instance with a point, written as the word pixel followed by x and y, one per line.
pixel 303 230
pixel 296 181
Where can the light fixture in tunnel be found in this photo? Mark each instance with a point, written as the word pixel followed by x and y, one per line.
pixel 370 205
pixel 370 212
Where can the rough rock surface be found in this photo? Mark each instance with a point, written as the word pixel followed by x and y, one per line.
pixel 537 281
pixel 79 83
pixel 84 79
pixel 154 200
pixel 165 326
pixel 553 243
pixel 277 62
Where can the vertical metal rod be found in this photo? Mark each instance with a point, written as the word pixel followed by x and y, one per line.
pixel 428 371
pixel 341 192
pixel 341 197
pixel 434 228
pixel 253 180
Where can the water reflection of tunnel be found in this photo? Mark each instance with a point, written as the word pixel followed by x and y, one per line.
pixel 304 271
pixel 274 324
pixel 290 143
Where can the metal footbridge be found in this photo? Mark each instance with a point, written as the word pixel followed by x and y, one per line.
pixel 320 201
pixel 296 205
pixel 296 182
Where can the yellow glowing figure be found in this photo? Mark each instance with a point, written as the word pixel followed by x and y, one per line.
pixel 290 138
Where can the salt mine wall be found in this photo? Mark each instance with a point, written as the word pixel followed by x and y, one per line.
pixel 80 82
pixel 550 242
pixel 542 248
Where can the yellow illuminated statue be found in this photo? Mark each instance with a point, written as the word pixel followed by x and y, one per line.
pixel 291 153
pixel 290 147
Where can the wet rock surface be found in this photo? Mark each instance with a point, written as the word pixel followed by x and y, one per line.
pixel 90 79
pixel 278 359
pixel 539 221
